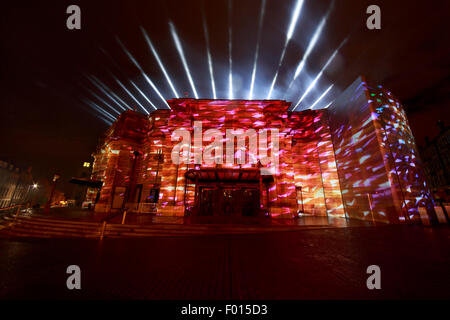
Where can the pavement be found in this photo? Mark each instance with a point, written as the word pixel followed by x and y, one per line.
pixel 328 263
pixel 76 214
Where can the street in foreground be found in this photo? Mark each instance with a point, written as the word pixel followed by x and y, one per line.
pixel 308 264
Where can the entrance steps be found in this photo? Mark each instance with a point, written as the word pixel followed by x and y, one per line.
pixel 49 228
pixel 45 227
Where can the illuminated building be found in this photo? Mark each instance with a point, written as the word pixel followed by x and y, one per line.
pixel 355 159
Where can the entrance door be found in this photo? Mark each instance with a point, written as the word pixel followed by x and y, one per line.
pixel 206 202
pixel 228 205
pixel 228 202
pixel 250 202
pixel 118 197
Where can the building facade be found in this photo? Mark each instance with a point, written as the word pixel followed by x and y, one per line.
pixel 15 185
pixel 356 159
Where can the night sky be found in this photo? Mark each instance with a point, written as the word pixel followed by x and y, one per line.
pixel 46 121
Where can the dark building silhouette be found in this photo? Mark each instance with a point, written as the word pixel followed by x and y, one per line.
pixel 79 191
pixel 15 185
pixel 436 159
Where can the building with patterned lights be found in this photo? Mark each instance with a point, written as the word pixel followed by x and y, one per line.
pixel 356 159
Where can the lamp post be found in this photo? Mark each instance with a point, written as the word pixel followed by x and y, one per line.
pixel 47 205
pixel 28 198
pixel 299 188
pixel 33 194
pixel 160 158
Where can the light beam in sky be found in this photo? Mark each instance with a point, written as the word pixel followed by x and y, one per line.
pixel 294 19
pixel 261 19
pixel 102 100
pixel 230 50
pixel 108 122
pixel 293 23
pixel 313 83
pixel 131 95
pixel 183 58
pixel 208 52
pixel 155 54
pixel 95 106
pixel 111 91
pixel 142 94
pixel 100 87
pixel 310 47
pixel 321 97
pixel 326 107
pixel 150 82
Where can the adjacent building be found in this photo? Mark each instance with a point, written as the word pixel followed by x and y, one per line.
pixel 15 185
pixel 436 157
pixel 79 191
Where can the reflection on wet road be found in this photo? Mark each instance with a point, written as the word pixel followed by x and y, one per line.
pixel 308 264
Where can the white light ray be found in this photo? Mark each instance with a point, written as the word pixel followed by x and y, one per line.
pixel 294 19
pixel 142 94
pixel 131 95
pixel 208 52
pixel 261 18
pixel 308 51
pixel 102 100
pixel 230 50
pixel 112 92
pixel 100 109
pixel 313 83
pixel 272 85
pixel 150 82
pixel 104 85
pixel 321 97
pixel 293 23
pixel 94 82
pixel 230 86
pixel 183 58
pixel 129 54
pixel 155 89
pixel 326 107
pixel 108 122
pixel 152 48
pixel 310 47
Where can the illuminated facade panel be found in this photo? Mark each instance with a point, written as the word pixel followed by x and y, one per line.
pixel 378 165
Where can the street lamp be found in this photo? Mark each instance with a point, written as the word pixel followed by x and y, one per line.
pixel 34 186
pixel 27 195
